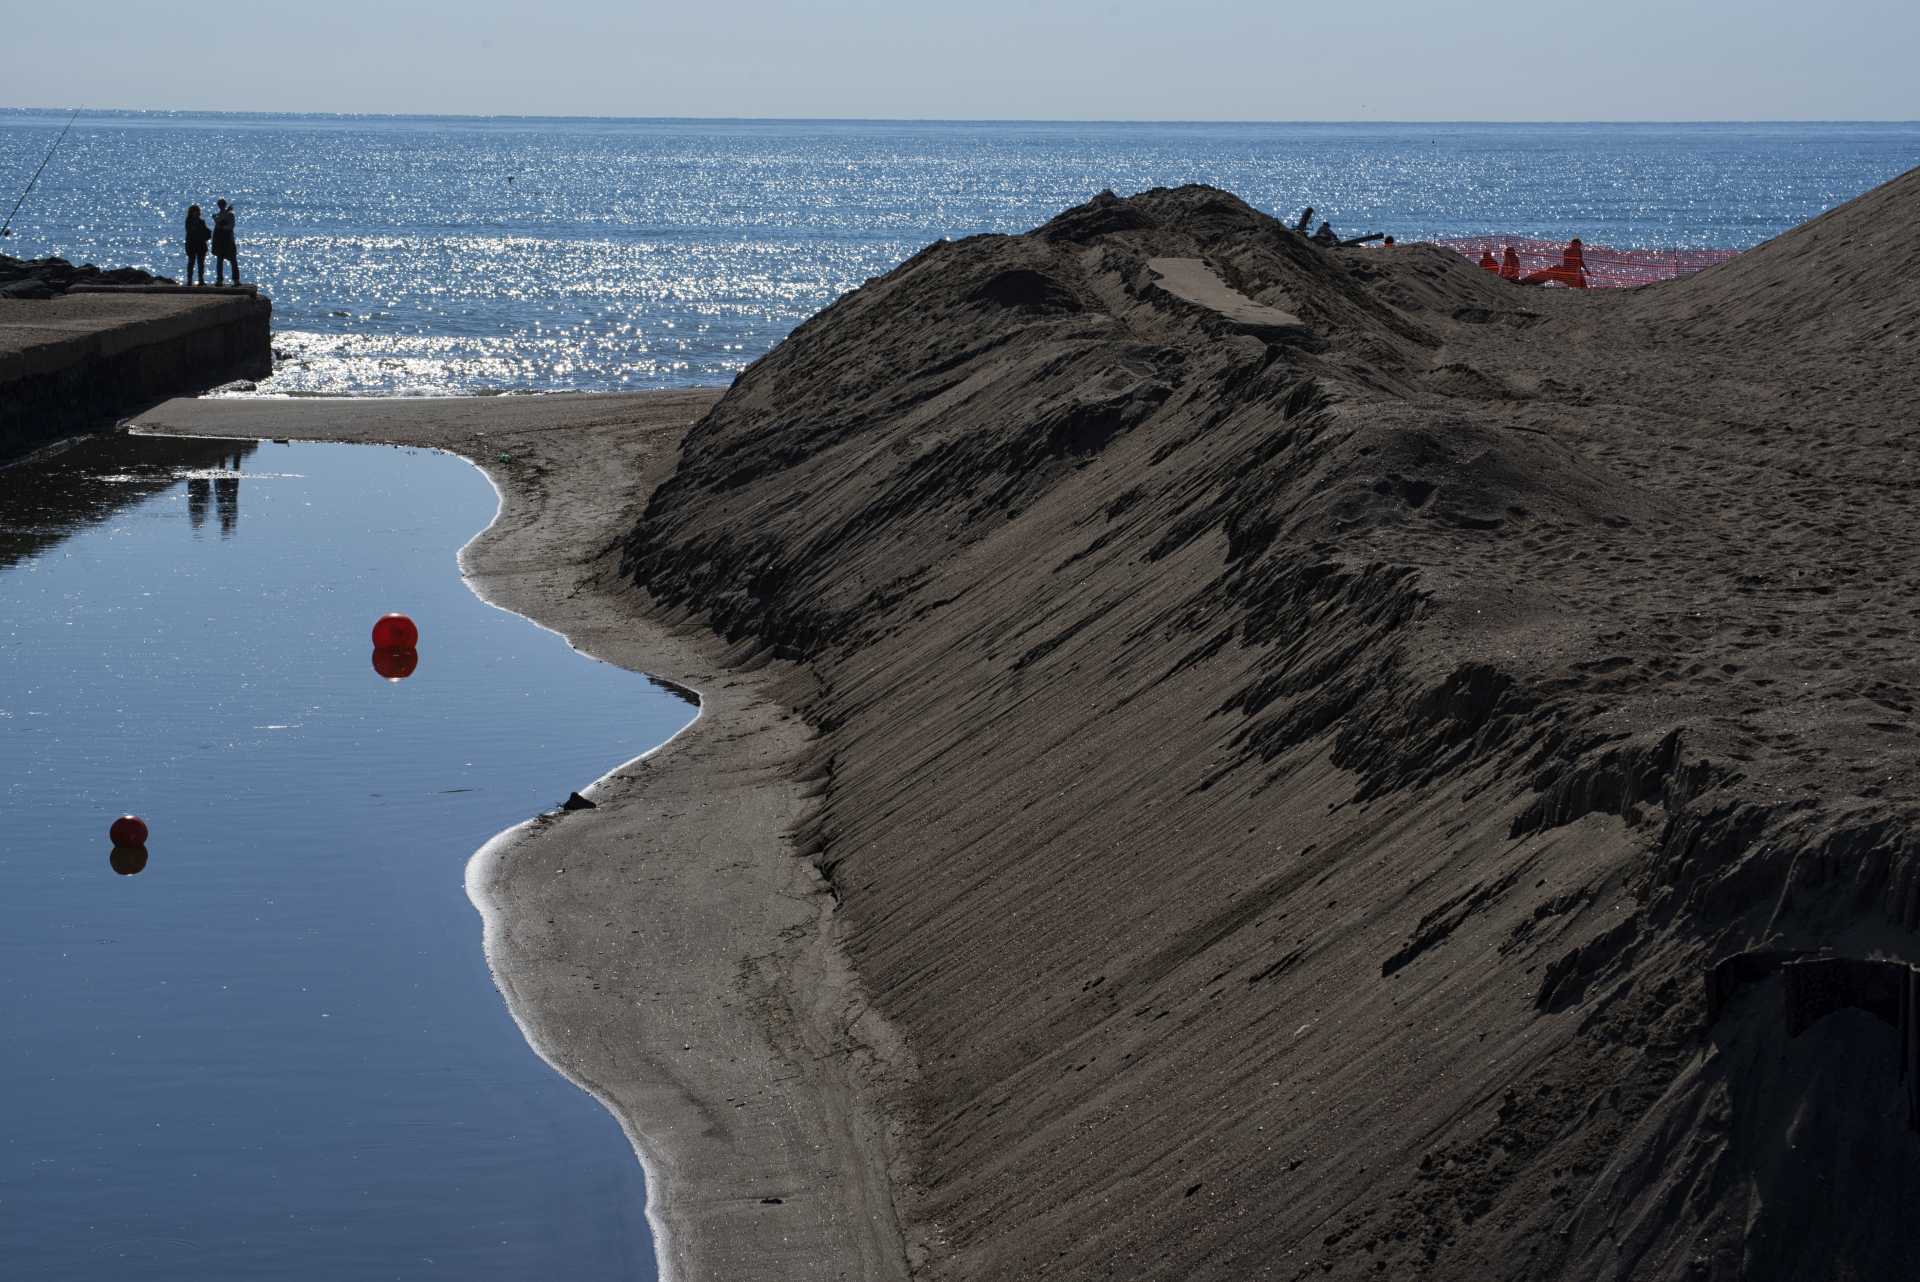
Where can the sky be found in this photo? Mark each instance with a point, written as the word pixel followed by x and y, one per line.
pixel 978 59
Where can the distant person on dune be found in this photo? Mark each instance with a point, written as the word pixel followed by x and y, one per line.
pixel 1487 262
pixel 225 249
pixel 1571 271
pixel 198 234
pixel 1509 264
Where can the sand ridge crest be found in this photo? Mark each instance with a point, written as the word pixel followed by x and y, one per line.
pixel 1287 794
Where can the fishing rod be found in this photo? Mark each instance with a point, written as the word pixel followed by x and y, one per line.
pixel 6 228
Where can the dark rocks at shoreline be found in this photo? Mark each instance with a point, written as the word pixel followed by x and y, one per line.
pixel 51 277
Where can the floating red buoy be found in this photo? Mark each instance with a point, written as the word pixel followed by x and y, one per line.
pixel 395 665
pixel 128 830
pixel 395 632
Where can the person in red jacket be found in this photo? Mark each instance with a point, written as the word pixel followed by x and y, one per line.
pixel 1486 261
pixel 1510 265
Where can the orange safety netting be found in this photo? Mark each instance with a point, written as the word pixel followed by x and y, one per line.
pixel 1605 268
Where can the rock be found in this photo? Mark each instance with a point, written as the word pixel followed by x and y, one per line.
pixel 46 277
pixel 575 801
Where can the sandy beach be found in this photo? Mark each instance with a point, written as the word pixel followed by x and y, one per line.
pixel 1307 725
pixel 666 950
pixel 1222 758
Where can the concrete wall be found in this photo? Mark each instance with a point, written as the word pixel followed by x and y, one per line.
pixel 80 361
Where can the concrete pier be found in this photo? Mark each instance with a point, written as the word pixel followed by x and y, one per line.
pixel 79 361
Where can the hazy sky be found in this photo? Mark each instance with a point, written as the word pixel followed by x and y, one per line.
pixel 1074 59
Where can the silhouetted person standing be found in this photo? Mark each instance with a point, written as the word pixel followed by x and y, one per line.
pixel 198 234
pixel 225 250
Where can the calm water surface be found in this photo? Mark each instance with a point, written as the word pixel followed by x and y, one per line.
pixel 275 1051
pixel 409 254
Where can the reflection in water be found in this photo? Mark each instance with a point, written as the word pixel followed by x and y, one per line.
pixel 226 491
pixel 395 665
pixel 128 860
pixel 55 498
pixel 283 1055
pixel 226 497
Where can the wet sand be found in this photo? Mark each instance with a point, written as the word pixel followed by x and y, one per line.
pixel 667 950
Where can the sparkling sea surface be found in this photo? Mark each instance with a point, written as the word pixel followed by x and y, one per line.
pixel 410 255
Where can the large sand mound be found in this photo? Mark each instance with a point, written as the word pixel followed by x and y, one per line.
pixel 1297 726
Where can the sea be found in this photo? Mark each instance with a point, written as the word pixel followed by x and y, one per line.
pixel 412 255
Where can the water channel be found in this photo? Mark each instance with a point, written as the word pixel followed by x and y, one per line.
pixel 273 1050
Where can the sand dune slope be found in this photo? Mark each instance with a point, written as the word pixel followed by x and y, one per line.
pixel 1287 781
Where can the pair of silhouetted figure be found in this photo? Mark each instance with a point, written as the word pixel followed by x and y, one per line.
pixel 225 493
pixel 225 250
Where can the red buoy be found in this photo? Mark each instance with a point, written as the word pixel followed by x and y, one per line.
pixel 395 665
pixel 128 830
pixel 395 632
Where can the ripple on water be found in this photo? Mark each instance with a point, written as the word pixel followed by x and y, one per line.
pixel 450 256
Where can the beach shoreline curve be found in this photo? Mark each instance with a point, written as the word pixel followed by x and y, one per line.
pixel 668 951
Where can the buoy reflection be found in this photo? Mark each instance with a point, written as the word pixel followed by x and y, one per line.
pixel 396 665
pixel 128 860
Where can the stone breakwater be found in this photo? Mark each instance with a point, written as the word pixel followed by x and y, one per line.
pixel 76 357
pixel 42 278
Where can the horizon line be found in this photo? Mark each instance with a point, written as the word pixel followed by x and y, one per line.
pixel 911 120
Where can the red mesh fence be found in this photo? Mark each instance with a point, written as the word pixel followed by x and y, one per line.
pixel 1605 268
